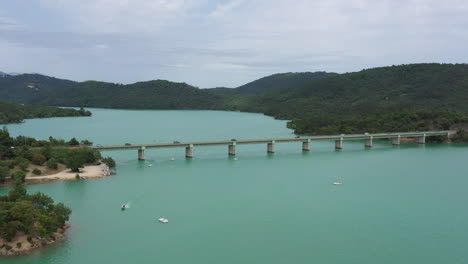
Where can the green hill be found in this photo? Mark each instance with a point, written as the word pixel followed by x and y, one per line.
pixel 30 88
pixel 435 94
pixel 359 95
pixel 279 81
pixel 158 94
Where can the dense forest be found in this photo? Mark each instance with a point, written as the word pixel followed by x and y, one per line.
pixel 16 113
pixel 431 96
pixel 275 82
pixel 32 214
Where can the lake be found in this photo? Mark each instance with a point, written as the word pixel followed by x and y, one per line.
pixel 397 204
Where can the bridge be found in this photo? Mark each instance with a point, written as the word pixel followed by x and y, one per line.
pixel 306 142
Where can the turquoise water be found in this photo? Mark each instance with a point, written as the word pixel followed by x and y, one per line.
pixel 402 204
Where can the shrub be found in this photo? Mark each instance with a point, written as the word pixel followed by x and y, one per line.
pixel 30 239
pixel 19 245
pixel 19 177
pixel 4 173
pixel 37 171
pixel 52 164
pixel 109 162
pixel 24 166
pixel 7 247
pixel 38 159
pixel 77 176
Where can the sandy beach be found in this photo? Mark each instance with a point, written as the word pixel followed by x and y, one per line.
pixel 92 171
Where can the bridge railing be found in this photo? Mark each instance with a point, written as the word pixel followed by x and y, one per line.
pixel 395 137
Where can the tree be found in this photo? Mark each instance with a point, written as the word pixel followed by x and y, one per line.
pixel 73 142
pixel 75 160
pixel 86 142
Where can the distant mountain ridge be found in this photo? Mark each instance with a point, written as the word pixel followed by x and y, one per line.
pixel 315 101
pixel 279 81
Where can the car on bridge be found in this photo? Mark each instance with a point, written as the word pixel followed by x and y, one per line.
pixel 128 144
pixel 176 142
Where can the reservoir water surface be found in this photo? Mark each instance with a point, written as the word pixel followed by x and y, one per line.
pixel 405 204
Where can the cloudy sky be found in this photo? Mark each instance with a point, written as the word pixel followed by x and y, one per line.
pixel 210 43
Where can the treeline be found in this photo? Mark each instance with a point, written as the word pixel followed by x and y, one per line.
pixel 16 113
pixel 394 121
pixel 33 214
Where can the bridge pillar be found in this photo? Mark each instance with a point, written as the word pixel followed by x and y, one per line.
pixel 339 143
pixel 271 147
pixel 189 151
pixel 232 149
pixel 306 145
pixel 422 139
pixel 141 153
pixel 368 143
pixel 396 141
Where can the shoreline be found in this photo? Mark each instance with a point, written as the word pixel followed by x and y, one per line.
pixel 88 172
pixel 34 243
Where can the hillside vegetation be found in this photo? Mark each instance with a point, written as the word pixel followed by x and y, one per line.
pixel 397 95
pixel 431 95
pixel 15 113
pixel 275 82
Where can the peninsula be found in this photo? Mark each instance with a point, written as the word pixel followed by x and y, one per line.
pixel 30 221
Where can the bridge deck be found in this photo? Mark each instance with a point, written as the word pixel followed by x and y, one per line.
pixel 275 140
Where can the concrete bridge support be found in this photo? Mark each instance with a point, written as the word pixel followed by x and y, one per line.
pixel 189 151
pixel 396 141
pixel 422 139
pixel 368 143
pixel 306 145
pixel 141 153
pixel 232 149
pixel 339 144
pixel 271 147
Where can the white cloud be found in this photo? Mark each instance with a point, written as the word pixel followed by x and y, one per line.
pixel 230 42
pixel 222 9
pixel 225 66
pixel 122 15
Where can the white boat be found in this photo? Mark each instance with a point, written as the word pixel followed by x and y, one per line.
pixel 235 158
pixel 163 220
pixel 172 159
pixel 150 165
pixel 337 183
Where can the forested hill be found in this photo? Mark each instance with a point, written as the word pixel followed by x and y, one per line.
pixel 279 81
pixel 158 94
pixel 356 96
pixel 15 113
pixel 30 88
pixel 316 102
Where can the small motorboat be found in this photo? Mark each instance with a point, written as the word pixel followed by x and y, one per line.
pixel 172 159
pixel 163 220
pixel 123 207
pixel 235 158
pixel 150 165
pixel 337 183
